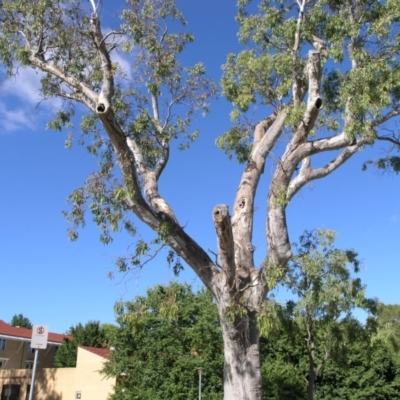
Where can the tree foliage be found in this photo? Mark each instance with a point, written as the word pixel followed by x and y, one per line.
pixel 21 321
pixel 159 343
pixel 161 340
pixel 326 292
pixel 388 326
pixel 91 334
pixel 371 373
pixel 367 371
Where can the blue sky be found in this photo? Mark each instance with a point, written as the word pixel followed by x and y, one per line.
pixel 55 282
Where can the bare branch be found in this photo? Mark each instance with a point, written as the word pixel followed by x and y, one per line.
pixel 392 113
pixel 307 174
pixel 392 140
pixel 89 97
pixel 105 37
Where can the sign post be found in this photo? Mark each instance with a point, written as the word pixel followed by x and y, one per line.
pixel 40 334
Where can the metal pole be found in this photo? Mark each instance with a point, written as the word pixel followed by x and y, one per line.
pixel 33 374
pixel 200 371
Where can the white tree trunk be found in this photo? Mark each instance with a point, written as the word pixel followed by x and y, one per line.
pixel 242 372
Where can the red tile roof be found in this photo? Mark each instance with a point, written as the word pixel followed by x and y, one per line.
pixel 24 333
pixel 99 352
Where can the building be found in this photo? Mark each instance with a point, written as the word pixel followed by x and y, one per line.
pixel 15 351
pixel 82 382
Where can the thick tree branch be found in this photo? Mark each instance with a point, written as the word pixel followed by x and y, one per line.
pixel 384 118
pixel 162 162
pixel 107 90
pixel 156 113
pixel 243 211
pixel 150 182
pixel 89 98
pixel 155 215
pixel 297 78
pixel 279 249
pixel 307 174
pixel 314 103
pixel 270 133
pixel 222 223
pixel 153 196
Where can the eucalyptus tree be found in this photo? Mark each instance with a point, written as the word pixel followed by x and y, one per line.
pixel 321 75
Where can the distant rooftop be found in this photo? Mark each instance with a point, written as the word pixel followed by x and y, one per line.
pixel 8 331
pixel 99 352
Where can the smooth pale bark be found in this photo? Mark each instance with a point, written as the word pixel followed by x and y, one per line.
pixel 242 371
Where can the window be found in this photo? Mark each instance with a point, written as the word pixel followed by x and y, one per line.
pixel 3 362
pixel 28 364
pixel 30 350
pixel 3 344
pixel 10 392
pixel 28 391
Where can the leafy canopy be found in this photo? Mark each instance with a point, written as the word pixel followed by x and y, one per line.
pixel 161 341
pixel 91 334
pixel 21 321
pixel 360 78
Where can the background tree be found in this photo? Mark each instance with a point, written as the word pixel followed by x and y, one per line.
pixel 91 334
pixel 326 294
pixel 283 367
pixel 320 75
pixel 364 371
pixel 21 321
pixel 66 354
pixel 388 326
pixel 161 340
pixel 370 372
pixel 163 337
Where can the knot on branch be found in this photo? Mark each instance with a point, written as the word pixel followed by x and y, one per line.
pixel 318 103
pixel 100 108
pixel 102 105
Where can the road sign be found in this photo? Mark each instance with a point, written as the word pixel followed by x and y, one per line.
pixel 40 334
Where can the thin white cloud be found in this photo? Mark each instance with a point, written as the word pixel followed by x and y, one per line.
pixel 123 63
pixel 21 102
pixel 120 57
pixel 13 120
pixel 25 86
